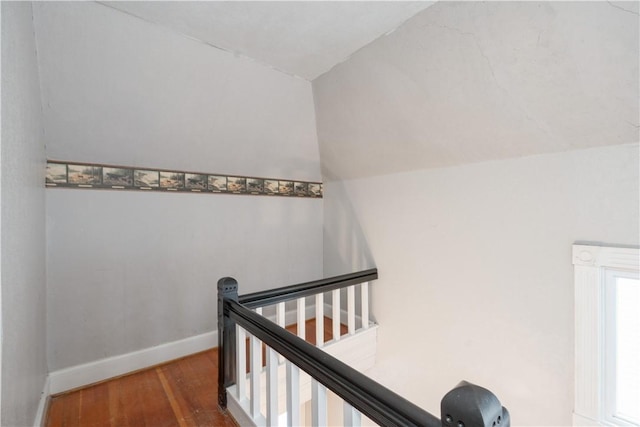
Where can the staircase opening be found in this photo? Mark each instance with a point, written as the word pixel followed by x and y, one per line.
pixel 297 383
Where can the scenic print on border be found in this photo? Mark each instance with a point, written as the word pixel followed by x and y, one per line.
pixel 96 176
pixel 217 183
pixel 195 181
pixel 315 189
pixel 255 185
pixel 271 186
pixel 117 177
pixel 285 188
pixel 147 178
pixel 171 180
pixel 56 173
pixel 301 188
pixel 84 174
pixel 236 184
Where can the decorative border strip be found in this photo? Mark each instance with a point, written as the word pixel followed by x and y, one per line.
pixel 110 177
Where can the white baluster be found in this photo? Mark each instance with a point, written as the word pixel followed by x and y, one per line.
pixel 293 395
pixel 272 387
pixel 254 376
pixel 352 417
pixel 335 301
pixel 280 320
pixel 280 312
pixel 351 309
pixel 319 320
pixel 241 362
pixel 364 299
pixel 318 404
pixel 302 317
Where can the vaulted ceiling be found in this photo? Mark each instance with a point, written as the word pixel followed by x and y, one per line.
pixel 468 82
pixel 402 86
pixel 302 38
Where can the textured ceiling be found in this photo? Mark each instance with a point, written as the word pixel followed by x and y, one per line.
pixel 302 38
pixel 468 82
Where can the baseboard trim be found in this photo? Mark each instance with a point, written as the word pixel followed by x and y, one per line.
pixel 89 373
pixel 582 421
pixel 240 413
pixel 100 370
pixel 41 413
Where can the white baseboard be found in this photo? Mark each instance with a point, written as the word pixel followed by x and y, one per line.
pixel 42 406
pixel 582 421
pixel 240 413
pixel 100 370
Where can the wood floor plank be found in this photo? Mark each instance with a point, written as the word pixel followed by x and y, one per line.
pixel 221 419
pixel 72 411
pixel 116 412
pixel 94 410
pixel 212 356
pixel 181 389
pixel 182 393
pixel 156 410
pixel 132 409
pixel 55 412
pixel 201 390
pixel 175 407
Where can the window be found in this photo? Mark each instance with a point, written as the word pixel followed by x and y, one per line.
pixel 622 347
pixel 607 336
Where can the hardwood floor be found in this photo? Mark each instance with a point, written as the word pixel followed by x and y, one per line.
pixel 182 392
pixel 179 393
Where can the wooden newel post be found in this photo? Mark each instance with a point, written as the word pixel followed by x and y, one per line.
pixel 469 405
pixel 227 290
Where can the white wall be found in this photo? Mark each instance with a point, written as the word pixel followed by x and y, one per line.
pixel 24 365
pixel 424 136
pixel 118 89
pixel 475 269
pixel 127 271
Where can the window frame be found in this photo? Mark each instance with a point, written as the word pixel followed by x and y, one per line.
pixel 591 266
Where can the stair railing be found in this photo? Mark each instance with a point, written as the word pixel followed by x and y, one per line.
pixel 467 405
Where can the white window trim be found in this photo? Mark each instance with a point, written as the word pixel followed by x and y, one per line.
pixel 590 264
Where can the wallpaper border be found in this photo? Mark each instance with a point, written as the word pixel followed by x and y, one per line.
pixel 97 176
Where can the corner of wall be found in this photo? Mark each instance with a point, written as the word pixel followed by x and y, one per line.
pixel 23 287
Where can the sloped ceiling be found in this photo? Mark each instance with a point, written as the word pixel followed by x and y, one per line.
pixel 466 82
pixel 302 38
pixel 401 86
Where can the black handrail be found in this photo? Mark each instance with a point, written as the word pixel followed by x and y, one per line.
pixel 287 293
pixel 467 405
pixel 380 404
